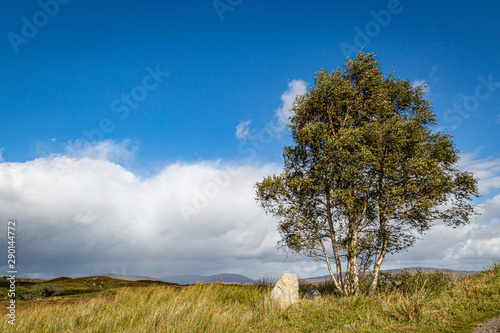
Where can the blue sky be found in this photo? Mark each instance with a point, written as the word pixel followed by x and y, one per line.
pixel 87 68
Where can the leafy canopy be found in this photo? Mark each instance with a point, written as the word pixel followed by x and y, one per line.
pixel 365 174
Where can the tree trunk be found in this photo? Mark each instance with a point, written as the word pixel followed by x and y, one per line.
pixel 335 281
pixel 333 239
pixel 352 275
pixel 376 267
pixel 383 251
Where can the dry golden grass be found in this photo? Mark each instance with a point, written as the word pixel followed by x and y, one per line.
pixel 232 308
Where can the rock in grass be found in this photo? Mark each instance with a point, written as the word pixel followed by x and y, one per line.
pixel 286 290
pixel 312 293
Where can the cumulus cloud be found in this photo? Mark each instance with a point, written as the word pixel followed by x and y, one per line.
pixel 1 155
pixel 257 141
pixel 242 129
pixel 295 88
pixel 474 243
pixel 107 150
pixel 277 125
pixel 486 169
pixel 418 83
pixel 89 215
pixel 81 216
pixel 488 172
pixel 472 247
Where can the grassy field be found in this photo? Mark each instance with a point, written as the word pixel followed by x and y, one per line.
pixel 405 302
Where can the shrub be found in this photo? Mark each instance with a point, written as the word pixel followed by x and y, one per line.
pixel 407 282
pixel 48 290
pixel 327 287
pixel 42 290
pixel 23 293
pixel 265 281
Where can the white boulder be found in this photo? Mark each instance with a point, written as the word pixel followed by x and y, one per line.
pixel 286 290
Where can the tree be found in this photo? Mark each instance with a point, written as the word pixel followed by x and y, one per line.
pixel 366 175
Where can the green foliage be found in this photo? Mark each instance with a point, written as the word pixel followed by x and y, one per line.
pixel 408 283
pixel 325 288
pixel 47 290
pixel 365 174
pixel 42 290
pixel 24 293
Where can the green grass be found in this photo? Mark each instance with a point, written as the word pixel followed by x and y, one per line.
pixel 419 302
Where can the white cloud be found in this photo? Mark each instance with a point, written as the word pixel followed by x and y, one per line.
pixel 275 127
pixel 488 172
pixel 1 155
pixel 107 150
pixel 474 243
pixel 418 83
pixel 472 247
pixel 486 169
pixel 295 88
pixel 490 209
pixel 242 129
pixel 83 216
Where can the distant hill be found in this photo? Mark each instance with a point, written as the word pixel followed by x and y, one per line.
pixel 432 270
pixel 129 277
pixel 241 279
pixel 99 283
pixel 459 274
pixel 191 279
